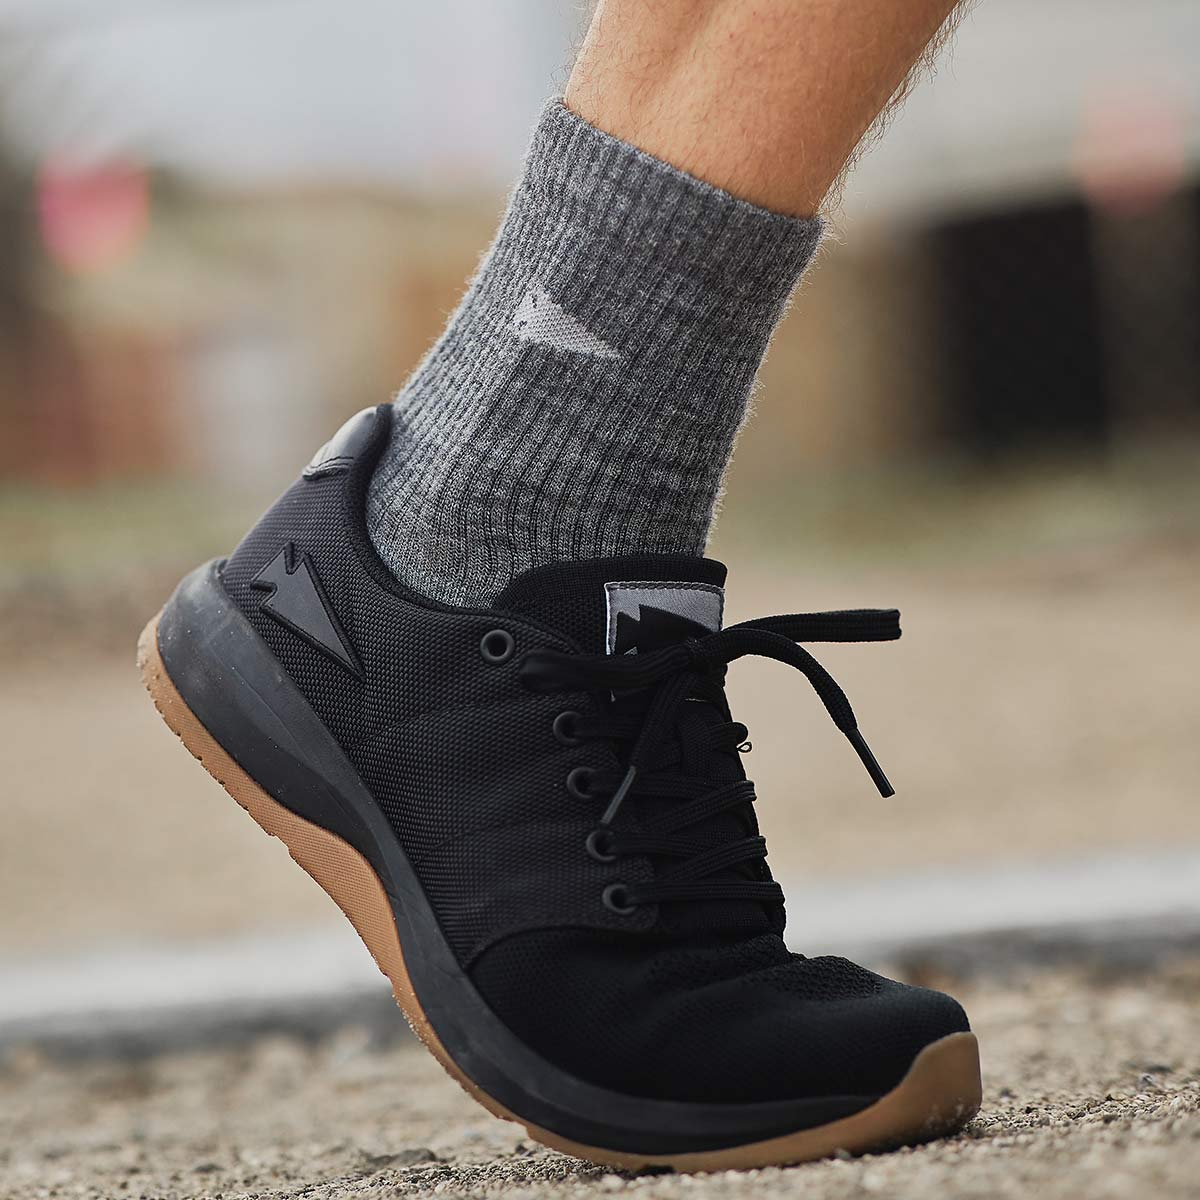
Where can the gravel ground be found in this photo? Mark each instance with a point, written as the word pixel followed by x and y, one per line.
pixel 1092 1088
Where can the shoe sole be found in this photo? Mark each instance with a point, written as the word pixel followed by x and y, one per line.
pixel 939 1094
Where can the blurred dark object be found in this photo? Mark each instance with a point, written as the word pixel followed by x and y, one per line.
pixel 1022 335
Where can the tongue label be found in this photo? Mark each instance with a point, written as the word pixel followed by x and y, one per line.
pixel 647 615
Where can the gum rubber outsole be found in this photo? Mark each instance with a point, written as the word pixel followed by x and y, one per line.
pixel 940 1093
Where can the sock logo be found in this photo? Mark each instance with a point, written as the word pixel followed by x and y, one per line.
pixel 538 319
pixel 296 599
pixel 648 615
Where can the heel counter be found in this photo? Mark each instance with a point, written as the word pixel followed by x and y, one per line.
pixel 324 502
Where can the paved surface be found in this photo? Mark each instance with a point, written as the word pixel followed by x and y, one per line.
pixel 1092 1089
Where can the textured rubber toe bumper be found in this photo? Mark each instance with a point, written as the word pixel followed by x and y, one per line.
pixel 221 689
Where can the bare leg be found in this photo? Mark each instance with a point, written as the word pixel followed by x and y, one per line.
pixel 764 98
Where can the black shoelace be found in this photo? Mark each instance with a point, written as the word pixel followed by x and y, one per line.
pixel 693 668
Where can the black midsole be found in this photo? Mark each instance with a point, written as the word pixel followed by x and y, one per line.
pixel 239 691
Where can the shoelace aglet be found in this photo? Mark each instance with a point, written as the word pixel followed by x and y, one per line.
pixel 870 762
pixel 619 795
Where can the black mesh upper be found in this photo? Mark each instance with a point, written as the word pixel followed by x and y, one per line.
pixel 705 1004
pixel 460 756
pixel 717 1019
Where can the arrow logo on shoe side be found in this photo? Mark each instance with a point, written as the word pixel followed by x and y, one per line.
pixel 296 599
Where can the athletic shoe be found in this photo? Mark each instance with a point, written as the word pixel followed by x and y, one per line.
pixel 536 818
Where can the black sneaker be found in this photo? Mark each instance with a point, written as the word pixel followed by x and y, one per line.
pixel 536 818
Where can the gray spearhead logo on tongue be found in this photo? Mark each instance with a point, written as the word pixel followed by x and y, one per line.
pixel 648 614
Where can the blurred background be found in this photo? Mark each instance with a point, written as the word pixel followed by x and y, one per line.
pixel 228 224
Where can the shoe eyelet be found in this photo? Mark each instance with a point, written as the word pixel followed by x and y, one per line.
pixel 564 728
pixel 497 646
pixel 616 899
pixel 599 845
pixel 579 782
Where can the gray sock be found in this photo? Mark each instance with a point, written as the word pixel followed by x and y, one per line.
pixel 584 399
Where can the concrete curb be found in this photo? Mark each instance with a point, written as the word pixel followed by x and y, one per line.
pixel 1112 915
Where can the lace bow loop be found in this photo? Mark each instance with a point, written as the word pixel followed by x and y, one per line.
pixel 668 677
pixel 767 637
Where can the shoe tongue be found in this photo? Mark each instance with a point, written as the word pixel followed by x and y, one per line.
pixel 623 605
pixel 637 604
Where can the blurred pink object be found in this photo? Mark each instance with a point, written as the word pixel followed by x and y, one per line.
pixel 1132 150
pixel 91 216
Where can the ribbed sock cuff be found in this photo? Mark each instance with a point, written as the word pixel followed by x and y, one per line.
pixel 585 397
pixel 622 195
